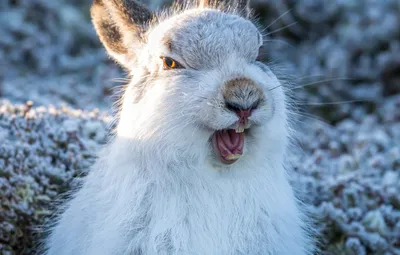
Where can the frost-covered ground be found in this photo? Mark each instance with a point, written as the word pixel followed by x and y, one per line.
pixel 340 50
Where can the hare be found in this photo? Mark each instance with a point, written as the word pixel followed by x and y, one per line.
pixel 196 162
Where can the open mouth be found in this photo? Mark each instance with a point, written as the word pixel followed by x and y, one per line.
pixel 228 145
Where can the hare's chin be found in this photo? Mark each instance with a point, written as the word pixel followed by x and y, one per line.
pixel 228 145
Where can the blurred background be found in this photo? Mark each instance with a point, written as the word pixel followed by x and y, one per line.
pixel 340 60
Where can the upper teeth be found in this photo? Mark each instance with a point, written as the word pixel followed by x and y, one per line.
pixel 239 128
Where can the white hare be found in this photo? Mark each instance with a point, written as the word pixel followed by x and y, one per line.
pixel 196 164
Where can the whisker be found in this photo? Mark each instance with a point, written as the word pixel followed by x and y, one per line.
pixel 334 103
pixel 282 28
pixel 120 80
pixel 311 76
pixel 321 81
pixel 118 87
pixel 280 85
pixel 280 16
pixel 313 83
pixel 312 117
pixel 277 40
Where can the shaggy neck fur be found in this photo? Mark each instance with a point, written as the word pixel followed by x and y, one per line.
pixel 189 207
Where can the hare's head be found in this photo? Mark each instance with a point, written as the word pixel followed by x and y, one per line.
pixel 197 85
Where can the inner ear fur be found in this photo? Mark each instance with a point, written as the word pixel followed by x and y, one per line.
pixel 120 25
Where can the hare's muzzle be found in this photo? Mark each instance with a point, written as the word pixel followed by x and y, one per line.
pixel 242 96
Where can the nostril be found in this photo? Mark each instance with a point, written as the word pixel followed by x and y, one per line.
pixel 232 106
pixel 241 111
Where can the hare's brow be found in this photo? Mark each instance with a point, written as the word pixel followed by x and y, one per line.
pixel 167 42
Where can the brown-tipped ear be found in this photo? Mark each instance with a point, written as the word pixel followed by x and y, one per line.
pixel 121 25
pixel 240 6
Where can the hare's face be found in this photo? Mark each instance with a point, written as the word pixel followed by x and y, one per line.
pixel 197 83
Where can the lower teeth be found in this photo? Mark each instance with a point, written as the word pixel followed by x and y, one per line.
pixel 233 156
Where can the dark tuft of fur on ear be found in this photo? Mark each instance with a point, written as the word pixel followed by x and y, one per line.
pixel 108 32
pixel 120 24
pixel 130 12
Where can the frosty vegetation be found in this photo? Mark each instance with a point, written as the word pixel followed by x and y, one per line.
pixel 349 165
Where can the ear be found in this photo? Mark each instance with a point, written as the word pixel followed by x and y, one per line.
pixel 240 6
pixel 121 25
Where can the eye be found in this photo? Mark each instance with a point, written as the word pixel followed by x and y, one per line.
pixel 169 63
pixel 258 58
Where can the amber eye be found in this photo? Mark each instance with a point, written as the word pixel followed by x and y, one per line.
pixel 169 63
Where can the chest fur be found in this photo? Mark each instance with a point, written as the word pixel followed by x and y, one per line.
pixel 228 219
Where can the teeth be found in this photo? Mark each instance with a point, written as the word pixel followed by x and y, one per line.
pixel 233 156
pixel 240 128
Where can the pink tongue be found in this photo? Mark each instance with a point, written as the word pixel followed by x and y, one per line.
pixel 229 142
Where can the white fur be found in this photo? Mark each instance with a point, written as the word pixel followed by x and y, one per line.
pixel 156 187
